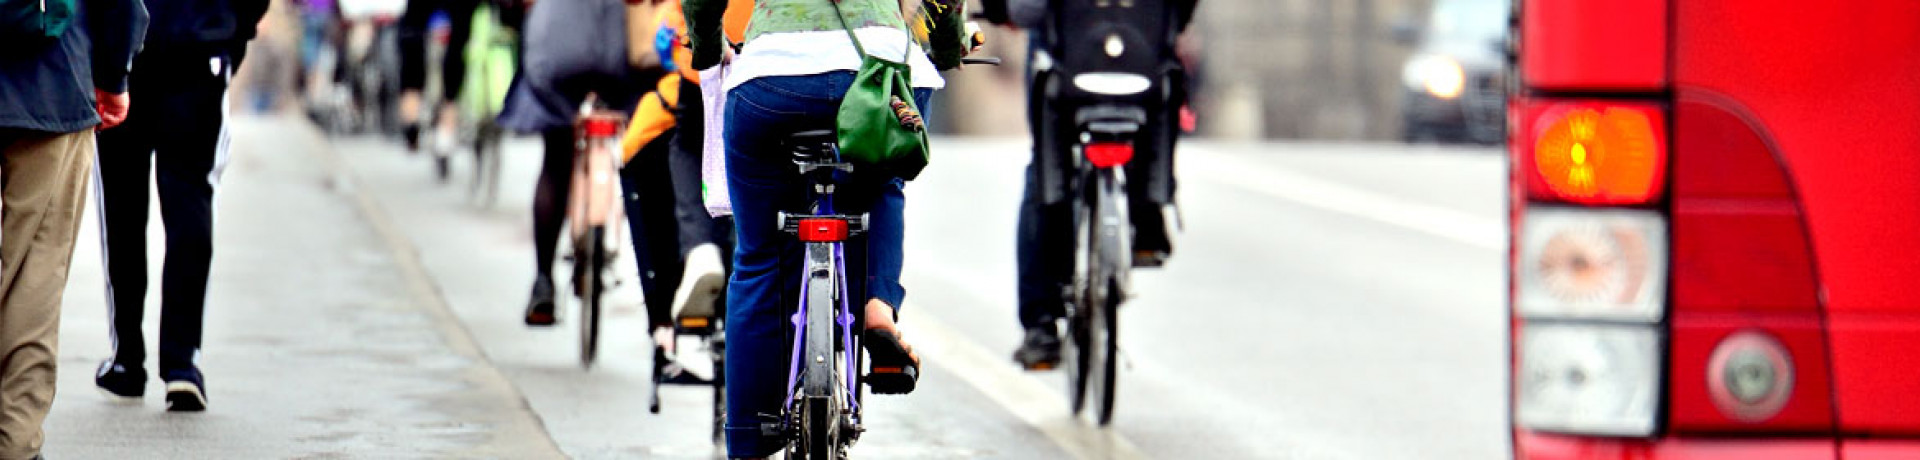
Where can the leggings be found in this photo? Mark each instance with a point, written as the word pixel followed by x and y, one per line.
pixel 413 45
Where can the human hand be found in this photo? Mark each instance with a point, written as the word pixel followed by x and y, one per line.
pixel 112 107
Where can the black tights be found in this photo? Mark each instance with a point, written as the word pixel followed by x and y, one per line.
pixel 550 196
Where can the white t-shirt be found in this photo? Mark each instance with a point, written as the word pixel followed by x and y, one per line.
pixel 818 52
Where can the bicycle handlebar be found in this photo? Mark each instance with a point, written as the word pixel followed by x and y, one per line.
pixel 980 61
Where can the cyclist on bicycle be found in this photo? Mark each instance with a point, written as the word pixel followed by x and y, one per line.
pixel 790 77
pixel 568 55
pixel 1046 238
pixel 662 145
pixel 413 66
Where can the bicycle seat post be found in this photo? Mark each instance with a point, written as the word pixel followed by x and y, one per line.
pixel 814 153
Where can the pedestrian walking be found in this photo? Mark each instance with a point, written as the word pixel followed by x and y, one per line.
pixel 63 71
pixel 180 136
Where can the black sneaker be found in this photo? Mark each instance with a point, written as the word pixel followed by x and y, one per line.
pixel 412 135
pixel 186 390
pixel 540 307
pixel 119 381
pixel 1040 351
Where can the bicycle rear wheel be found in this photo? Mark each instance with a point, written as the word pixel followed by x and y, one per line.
pixel 1076 349
pixel 1102 365
pixel 591 259
pixel 821 385
pixel 1107 254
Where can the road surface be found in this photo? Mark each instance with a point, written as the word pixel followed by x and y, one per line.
pixel 1325 301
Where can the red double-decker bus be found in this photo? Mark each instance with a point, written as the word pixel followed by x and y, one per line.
pixel 1716 229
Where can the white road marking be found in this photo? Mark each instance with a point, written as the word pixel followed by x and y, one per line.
pixel 1043 407
pixel 1026 398
pixel 1333 196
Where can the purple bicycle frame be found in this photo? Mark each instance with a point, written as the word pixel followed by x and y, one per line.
pixel 844 319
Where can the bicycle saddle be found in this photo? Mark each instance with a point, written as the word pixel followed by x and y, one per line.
pixel 814 146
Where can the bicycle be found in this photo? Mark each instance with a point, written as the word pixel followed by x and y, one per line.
pixel 595 216
pixel 1101 59
pixel 823 413
pixel 1101 278
pixel 707 326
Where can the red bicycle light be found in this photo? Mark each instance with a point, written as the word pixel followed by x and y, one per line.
pixel 601 127
pixel 1600 154
pixel 1109 154
pixel 822 230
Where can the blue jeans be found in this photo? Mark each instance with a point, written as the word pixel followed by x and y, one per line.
pixel 764 288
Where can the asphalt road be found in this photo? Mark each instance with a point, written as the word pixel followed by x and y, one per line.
pixel 1325 301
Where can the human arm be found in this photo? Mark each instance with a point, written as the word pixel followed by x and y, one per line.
pixel 945 22
pixel 116 28
pixel 703 30
pixel 246 17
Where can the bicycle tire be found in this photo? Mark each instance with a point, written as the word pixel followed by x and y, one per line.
pixel 820 385
pixel 1076 349
pixel 495 150
pixel 1105 334
pixel 819 429
pixel 1113 253
pixel 593 259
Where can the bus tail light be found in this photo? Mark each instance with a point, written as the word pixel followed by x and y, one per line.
pixel 1597 153
pixel 1597 379
pixel 1607 264
pixel 1590 260
pixel 1589 292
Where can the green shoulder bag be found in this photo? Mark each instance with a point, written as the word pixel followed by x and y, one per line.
pixel 35 21
pixel 878 124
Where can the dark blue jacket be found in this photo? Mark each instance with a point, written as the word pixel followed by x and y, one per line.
pixel 201 26
pixel 49 86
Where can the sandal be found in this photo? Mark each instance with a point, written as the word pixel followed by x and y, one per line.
pixel 895 368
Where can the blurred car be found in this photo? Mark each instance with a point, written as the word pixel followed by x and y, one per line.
pixel 1715 231
pixel 1454 89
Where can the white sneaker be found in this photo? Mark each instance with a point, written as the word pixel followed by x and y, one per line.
pixel 702 284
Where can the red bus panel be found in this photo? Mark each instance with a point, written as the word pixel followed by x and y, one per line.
pixel 1616 45
pixel 1835 87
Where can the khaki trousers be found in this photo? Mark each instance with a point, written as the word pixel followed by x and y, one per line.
pixel 43 189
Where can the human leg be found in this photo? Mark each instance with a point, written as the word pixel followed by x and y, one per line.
pixel 188 164
pixel 122 176
pixel 650 217
pixel 43 176
pixel 549 211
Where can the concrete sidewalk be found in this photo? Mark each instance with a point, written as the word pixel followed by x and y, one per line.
pixel 324 337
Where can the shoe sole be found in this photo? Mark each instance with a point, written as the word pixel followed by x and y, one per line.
pixel 185 397
pixel 697 297
pixel 119 399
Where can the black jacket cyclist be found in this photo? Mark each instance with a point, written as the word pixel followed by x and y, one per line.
pixel 1046 240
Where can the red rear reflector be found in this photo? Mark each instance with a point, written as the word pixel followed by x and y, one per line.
pixel 601 127
pixel 823 230
pixel 1598 154
pixel 1109 154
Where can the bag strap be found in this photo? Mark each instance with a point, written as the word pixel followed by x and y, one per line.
pixel 856 40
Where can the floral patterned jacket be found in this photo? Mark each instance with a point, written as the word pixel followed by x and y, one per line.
pixel 941 24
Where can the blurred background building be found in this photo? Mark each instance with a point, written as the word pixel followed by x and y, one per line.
pixel 1279 69
pixel 1267 69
